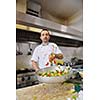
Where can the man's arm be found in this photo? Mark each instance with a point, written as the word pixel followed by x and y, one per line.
pixel 35 65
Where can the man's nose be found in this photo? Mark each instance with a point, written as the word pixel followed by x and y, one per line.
pixel 45 36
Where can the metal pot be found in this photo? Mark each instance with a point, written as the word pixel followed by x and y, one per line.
pixel 53 79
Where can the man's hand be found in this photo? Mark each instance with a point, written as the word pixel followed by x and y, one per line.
pixel 52 56
pixel 35 65
pixel 59 56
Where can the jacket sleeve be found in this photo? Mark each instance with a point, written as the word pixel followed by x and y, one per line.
pixel 35 55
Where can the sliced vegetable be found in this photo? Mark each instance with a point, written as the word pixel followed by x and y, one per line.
pixel 56 72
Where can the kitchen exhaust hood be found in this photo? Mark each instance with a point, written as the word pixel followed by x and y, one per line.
pixel 56 29
pixel 25 36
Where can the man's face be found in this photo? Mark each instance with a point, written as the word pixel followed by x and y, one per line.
pixel 45 36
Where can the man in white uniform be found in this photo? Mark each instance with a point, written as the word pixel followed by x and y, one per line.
pixel 46 52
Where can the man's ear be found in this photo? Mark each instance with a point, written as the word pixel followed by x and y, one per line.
pixel 49 37
pixel 40 37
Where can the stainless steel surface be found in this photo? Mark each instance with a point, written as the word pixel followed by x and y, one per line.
pixel 66 12
pixel 25 77
pixel 23 61
pixel 63 8
pixel 58 29
pixel 56 79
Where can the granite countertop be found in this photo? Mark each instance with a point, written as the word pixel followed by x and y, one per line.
pixel 46 92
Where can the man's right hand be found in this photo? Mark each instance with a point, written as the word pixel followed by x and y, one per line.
pixel 35 65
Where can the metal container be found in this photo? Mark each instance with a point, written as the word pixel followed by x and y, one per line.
pixel 53 79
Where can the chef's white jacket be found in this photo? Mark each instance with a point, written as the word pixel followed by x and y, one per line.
pixel 42 52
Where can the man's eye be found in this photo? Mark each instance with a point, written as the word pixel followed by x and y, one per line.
pixel 42 34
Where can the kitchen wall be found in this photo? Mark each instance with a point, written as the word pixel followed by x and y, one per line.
pixel 23 61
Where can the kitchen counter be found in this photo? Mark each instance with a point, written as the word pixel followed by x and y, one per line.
pixel 46 92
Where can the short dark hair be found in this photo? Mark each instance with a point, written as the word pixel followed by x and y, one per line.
pixel 44 29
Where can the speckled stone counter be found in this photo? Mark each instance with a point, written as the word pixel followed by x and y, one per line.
pixel 46 92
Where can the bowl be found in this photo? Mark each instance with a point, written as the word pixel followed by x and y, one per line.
pixel 53 79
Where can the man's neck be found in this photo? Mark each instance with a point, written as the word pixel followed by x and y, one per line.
pixel 45 43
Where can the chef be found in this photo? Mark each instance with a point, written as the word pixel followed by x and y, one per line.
pixel 45 54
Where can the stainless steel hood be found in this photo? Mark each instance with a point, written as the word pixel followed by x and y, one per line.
pixel 56 29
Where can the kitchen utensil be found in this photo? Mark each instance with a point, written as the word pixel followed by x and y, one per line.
pixel 30 49
pixel 18 51
pixel 53 79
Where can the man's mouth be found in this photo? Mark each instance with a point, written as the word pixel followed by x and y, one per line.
pixel 45 38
